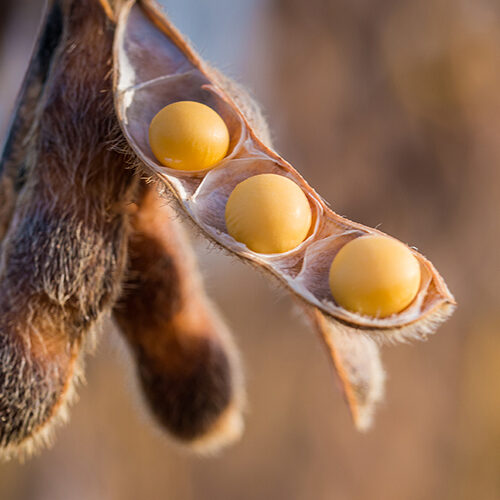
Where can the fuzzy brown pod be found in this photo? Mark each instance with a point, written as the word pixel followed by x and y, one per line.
pixel 63 243
pixel 155 66
pixel 187 364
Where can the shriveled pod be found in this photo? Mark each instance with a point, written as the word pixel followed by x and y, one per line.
pixel 154 67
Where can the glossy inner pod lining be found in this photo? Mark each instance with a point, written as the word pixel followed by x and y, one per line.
pixel 175 73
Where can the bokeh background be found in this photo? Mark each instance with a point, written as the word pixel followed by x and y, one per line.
pixel 391 108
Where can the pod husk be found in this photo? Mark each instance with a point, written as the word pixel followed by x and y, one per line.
pixel 154 65
pixel 62 261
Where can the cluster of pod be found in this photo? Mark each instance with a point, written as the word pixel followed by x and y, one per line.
pixel 197 135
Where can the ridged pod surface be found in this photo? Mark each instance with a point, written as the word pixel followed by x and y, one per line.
pixel 155 66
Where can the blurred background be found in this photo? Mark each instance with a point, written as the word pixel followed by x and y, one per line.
pixel 391 109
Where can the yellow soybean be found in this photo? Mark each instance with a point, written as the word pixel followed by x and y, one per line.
pixel 375 276
pixel 188 135
pixel 268 213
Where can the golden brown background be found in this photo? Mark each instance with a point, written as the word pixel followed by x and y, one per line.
pixel 391 108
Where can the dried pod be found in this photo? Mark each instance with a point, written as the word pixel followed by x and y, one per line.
pixel 187 364
pixel 356 359
pixel 64 250
pixel 173 72
pixel 155 66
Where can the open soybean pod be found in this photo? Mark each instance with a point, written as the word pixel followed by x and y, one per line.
pixel 154 67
